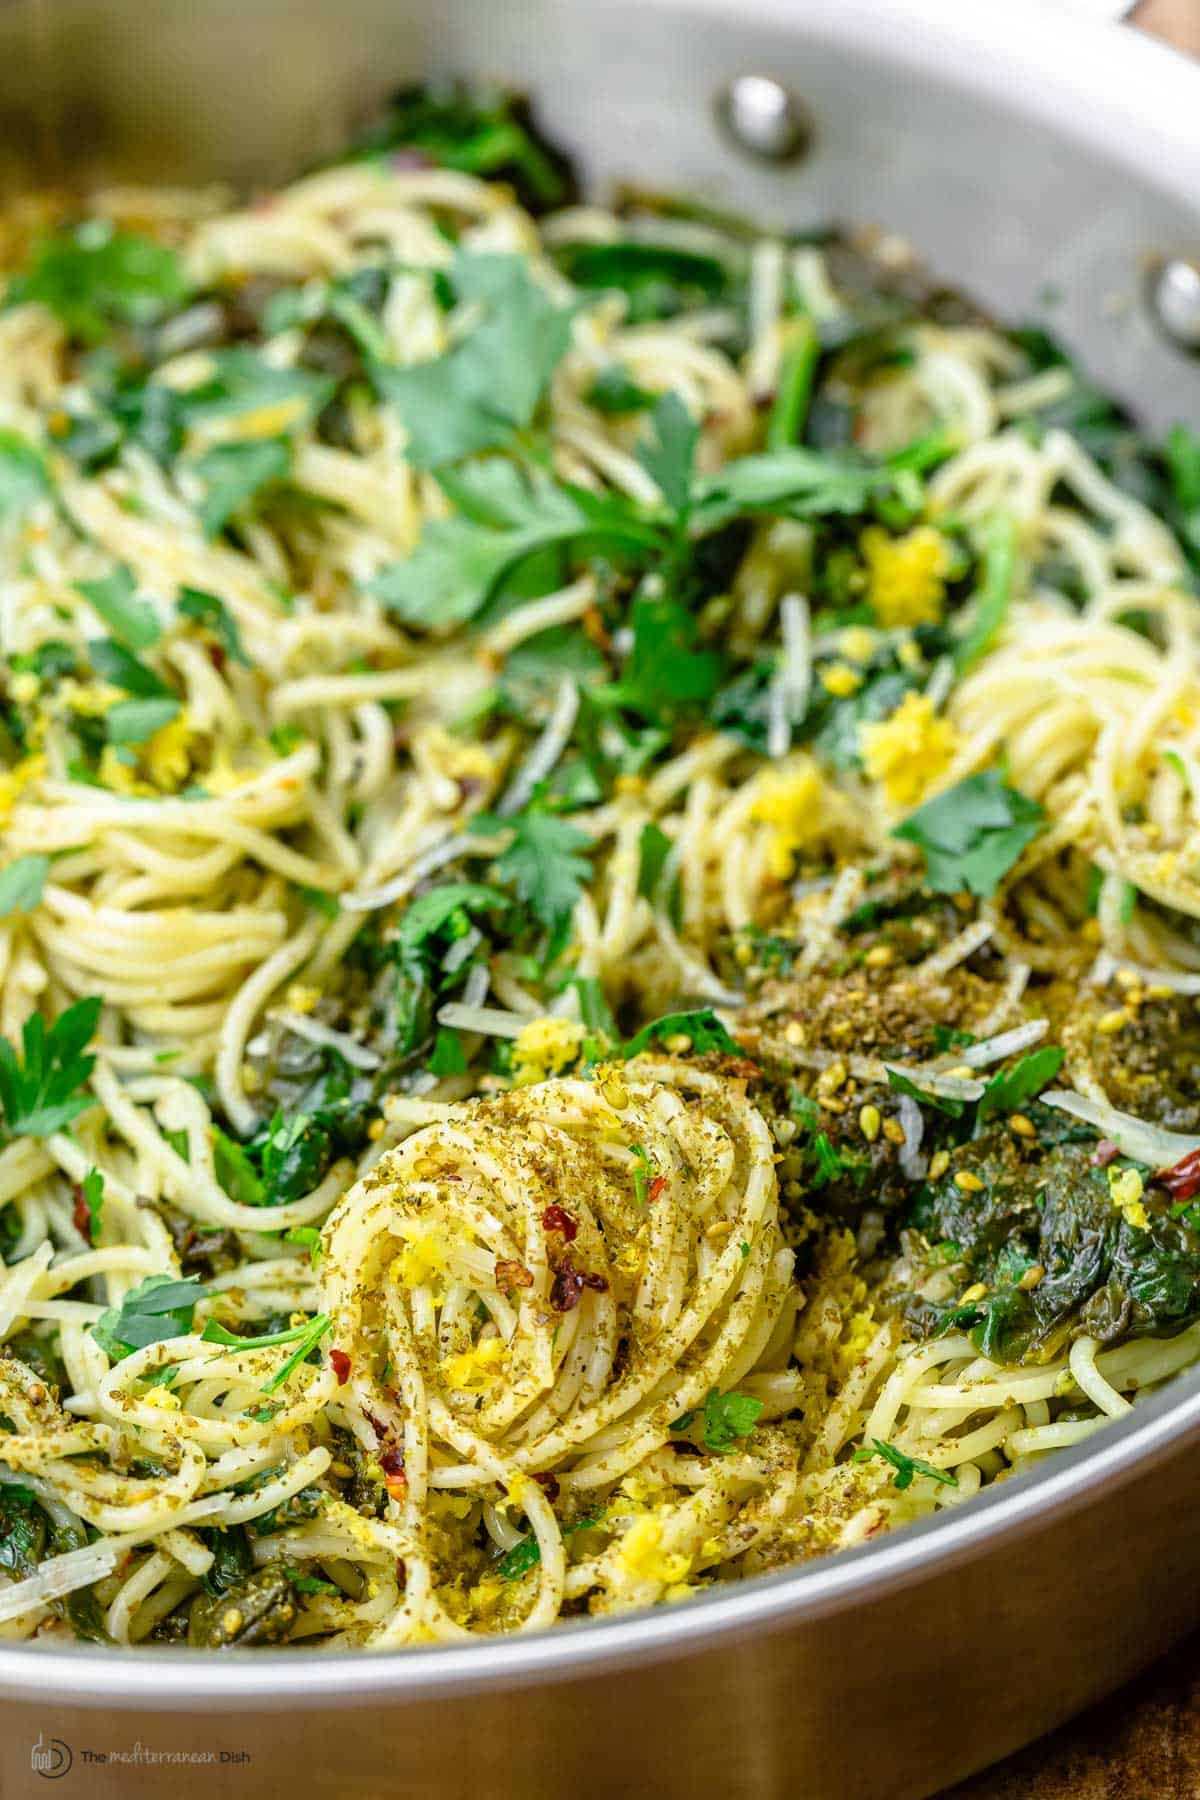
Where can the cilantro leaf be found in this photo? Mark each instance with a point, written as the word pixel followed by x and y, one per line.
pixel 23 476
pixel 133 622
pixel 949 1104
pixel 668 457
pixel 234 474
pixel 447 1056
pixel 544 864
pixel 215 616
pixel 1007 1091
pixel 159 1307
pixel 702 1026
pixel 133 721
pixel 995 591
pixel 95 277
pixel 906 1467
pixel 39 1090
pixel 21 884
pixel 489 385
pixel 973 834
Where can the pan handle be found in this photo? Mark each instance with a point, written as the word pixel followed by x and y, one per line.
pixel 1177 22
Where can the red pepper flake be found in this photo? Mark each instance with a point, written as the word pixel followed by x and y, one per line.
pixel 655 1189
pixel 81 1218
pixel 376 1423
pixel 216 656
pixel 512 1274
pixel 397 1487
pixel 548 1484
pixel 339 1362
pixel 1182 1179
pixel 555 1219
pixel 569 1283
pixel 391 1460
pixel 1105 1152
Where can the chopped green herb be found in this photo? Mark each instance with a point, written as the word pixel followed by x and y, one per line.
pixel 159 1307
pixel 133 622
pixel 1007 1091
pixel 906 1467
pixel 39 1092
pixel 702 1027
pixel 215 616
pixel 21 884
pixel 973 834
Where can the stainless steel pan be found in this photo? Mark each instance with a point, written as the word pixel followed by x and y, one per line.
pixel 1021 146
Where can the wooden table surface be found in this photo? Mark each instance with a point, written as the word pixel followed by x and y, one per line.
pixel 1144 1742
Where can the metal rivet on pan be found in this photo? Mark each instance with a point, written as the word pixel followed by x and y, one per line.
pixel 764 118
pixel 1175 297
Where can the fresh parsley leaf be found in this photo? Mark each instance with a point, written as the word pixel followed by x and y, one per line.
pixel 39 1091
pixel 215 616
pixel 702 1026
pixel 654 847
pixel 95 277
pixel 429 915
pixel 243 381
pixel 949 1104
pixel 973 834
pixel 727 1418
pixel 643 1170
pixel 1007 1091
pixel 665 669
pixel 659 280
pixel 489 385
pixel 124 670
pixel 447 1056
pixel 307 1343
pixel 544 863
pixel 159 1307
pixel 21 884
pixel 995 591
pixel 669 455
pixel 235 1171
pixel 216 1333
pixel 614 392
pixel 133 721
pixel 506 515
pixel 92 1189
pixel 23 476
pixel 906 1467
pixel 794 483
pixel 133 622
pixel 527 1554
pixel 234 474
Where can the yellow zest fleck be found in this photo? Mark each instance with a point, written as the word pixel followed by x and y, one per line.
pixel 908 751
pixel 841 679
pixel 543 1048
pixel 906 576
pixel 117 775
pixel 475 1368
pixel 25 687
pixel 165 754
pixel 375 1130
pixel 301 998
pixel 14 781
pixel 789 799
pixel 640 1553
pixel 1126 1188
pixel 857 643
pixel 879 956
pixel 423 1257
pixel 968 1183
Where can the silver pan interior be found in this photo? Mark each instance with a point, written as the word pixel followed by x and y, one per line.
pixel 1020 147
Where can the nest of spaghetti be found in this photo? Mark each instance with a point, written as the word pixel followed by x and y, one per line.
pixel 566 1309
